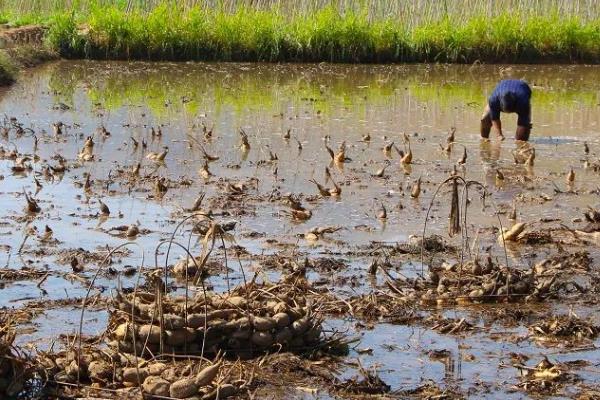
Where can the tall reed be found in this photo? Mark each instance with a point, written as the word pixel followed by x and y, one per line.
pixel 412 12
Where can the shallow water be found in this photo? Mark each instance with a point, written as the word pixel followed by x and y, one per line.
pixel 314 101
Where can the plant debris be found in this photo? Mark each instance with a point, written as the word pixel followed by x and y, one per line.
pixel 569 330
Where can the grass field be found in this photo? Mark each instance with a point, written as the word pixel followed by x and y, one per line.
pixel 312 30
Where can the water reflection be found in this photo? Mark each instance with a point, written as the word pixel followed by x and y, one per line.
pixel 416 97
pixel 489 152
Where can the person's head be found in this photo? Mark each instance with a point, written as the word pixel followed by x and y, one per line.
pixel 508 102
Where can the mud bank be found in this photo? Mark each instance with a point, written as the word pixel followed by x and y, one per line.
pixel 22 48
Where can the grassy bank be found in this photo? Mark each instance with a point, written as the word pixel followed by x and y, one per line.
pixel 313 30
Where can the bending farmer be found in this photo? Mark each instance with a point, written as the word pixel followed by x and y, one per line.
pixel 510 96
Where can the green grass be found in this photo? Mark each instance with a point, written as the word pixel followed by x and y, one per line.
pixel 314 30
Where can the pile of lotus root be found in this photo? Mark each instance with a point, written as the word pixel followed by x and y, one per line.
pixel 479 281
pixel 159 348
pixel 123 374
pixel 252 319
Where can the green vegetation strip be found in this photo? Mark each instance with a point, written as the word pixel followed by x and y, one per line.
pixel 324 31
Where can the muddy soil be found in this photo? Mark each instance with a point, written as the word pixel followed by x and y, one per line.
pixel 97 154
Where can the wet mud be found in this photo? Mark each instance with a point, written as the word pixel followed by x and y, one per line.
pixel 201 230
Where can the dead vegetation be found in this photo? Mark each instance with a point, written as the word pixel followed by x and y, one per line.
pixel 15 367
pixel 545 377
pixel 368 383
pixel 567 330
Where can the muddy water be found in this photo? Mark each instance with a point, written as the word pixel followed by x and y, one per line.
pixel 318 104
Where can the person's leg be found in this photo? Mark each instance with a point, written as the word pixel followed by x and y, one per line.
pixel 486 123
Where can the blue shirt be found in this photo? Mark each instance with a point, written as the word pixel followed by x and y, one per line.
pixel 522 93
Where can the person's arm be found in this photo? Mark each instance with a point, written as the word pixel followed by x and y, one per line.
pixel 494 105
pixel 486 123
pixel 497 124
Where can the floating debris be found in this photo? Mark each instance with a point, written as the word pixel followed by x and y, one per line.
pixel 545 377
pixel 449 326
pixel 367 383
pixel 568 330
